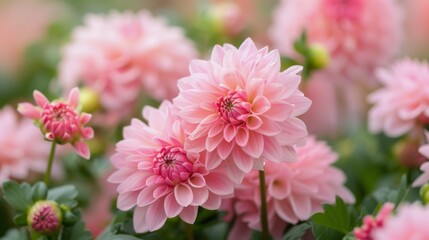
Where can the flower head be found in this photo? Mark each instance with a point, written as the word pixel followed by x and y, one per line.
pixel 295 191
pixel 158 176
pixel 17 157
pixel 60 121
pixel 408 223
pixel 371 224
pixel 360 35
pixel 127 53
pixel 401 105
pixel 239 107
pixel 45 217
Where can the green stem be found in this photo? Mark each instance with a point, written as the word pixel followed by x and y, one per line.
pixel 264 215
pixel 50 161
pixel 188 231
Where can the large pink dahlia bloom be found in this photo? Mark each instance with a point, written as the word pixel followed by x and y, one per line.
pixel 121 55
pixel 60 121
pixel 360 35
pixel 409 223
pixel 22 149
pixel 158 176
pixel 402 104
pixel 295 191
pixel 239 107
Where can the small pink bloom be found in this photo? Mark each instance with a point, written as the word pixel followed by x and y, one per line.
pixel 424 178
pixel 295 191
pixel 60 121
pixel 239 107
pixel 401 105
pixel 360 35
pixel 122 55
pixel 21 148
pixel 158 177
pixel 371 224
pixel 45 217
pixel 409 223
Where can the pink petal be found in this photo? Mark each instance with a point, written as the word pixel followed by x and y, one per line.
pixel 200 196
pixel 189 214
pixel 139 220
pixel 219 184
pixel 40 99
pixel 82 149
pixel 145 196
pixel 229 132
pixel 87 133
pixel 213 202
pixel 255 146
pixel 197 180
pixel 279 188
pixel 242 160
pixel 183 194
pixel 28 110
pixel 242 136
pixel 85 118
pixel 301 205
pixel 285 212
pixel 213 142
pixel 253 122
pixel 260 105
pixel 224 149
pixel 155 216
pixel 127 200
pixel 213 160
pixel 172 208
pixel 73 99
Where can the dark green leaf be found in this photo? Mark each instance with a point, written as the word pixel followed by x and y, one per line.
pixel 324 233
pixel 39 191
pixel 335 217
pixel 297 231
pixel 16 234
pixel 20 219
pixel 18 196
pixel 63 194
pixel 124 237
pixel 76 232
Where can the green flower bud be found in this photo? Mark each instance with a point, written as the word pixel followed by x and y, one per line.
pixel 45 217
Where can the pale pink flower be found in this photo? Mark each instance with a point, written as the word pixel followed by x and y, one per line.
pixel 122 55
pixel 371 224
pixel 360 35
pixel 22 149
pixel 424 178
pixel 240 108
pixel 401 105
pixel 158 177
pixel 295 191
pixel 60 121
pixel 409 223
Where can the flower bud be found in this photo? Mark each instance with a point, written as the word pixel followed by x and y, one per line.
pixel 424 193
pixel 45 217
pixel 89 100
pixel 318 56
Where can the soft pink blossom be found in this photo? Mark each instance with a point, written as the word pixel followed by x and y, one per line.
pixel 60 121
pixel 240 108
pixel 401 105
pixel 230 15
pixel 295 191
pixel 410 223
pixel 424 178
pixel 158 177
pixel 360 35
pixel 371 224
pixel 22 149
pixel 122 55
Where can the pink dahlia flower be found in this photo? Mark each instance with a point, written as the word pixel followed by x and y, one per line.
pixel 295 191
pixel 401 105
pixel 409 223
pixel 60 121
pixel 371 224
pixel 424 178
pixel 360 35
pixel 239 107
pixel 121 55
pixel 17 156
pixel 158 176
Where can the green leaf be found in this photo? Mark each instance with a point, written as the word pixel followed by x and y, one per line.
pixel 297 231
pixel 63 195
pixel 16 234
pixel 335 217
pixel 349 236
pixel 18 196
pixel 321 232
pixel 39 191
pixel 124 237
pixel 20 219
pixel 76 232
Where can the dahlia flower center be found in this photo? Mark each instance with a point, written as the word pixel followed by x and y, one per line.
pixel 173 165
pixel 234 107
pixel 60 120
pixel 344 9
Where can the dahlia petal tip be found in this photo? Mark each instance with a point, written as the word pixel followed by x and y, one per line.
pixel 40 99
pixel 82 149
pixel 73 98
pixel 28 110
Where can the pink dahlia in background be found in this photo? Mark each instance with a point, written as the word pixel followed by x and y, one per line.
pixel 60 121
pixel 240 108
pixel 409 223
pixel 158 177
pixel 22 149
pixel 122 55
pixel 401 105
pixel 295 191
pixel 424 178
pixel 371 224
pixel 360 35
